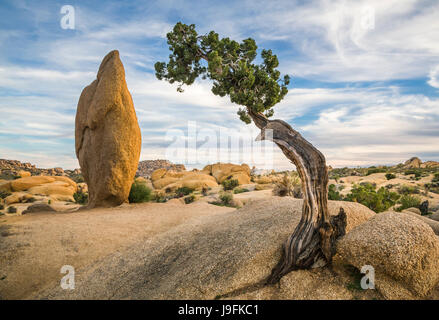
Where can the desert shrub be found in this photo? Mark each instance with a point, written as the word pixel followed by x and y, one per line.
pixel 2 206
pixel 80 197
pixel 355 278
pixel 289 185
pixel 434 189
pixel 49 201
pixel 333 194
pixel 4 194
pixel 367 195
pixel 183 191
pixel 390 176
pixel 139 193
pixel 435 177
pixel 240 190
pixel 230 184
pixel 78 178
pixel 417 173
pixel 405 190
pixel 160 199
pixel 204 191
pixel 12 209
pixel 408 201
pixel 372 170
pixel 189 199
pixel 226 198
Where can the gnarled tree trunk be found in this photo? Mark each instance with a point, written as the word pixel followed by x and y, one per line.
pixel 312 242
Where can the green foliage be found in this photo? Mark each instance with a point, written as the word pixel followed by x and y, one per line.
pixel 49 201
pixel 230 184
pixel 355 275
pixel 377 201
pixel 408 201
pixel 78 178
pixel 229 64
pixel 12 209
pixel 390 176
pixel 240 190
pixel 372 170
pixel 4 194
pixel 80 197
pixel 139 193
pixel 417 173
pixel 405 190
pixel 183 191
pixel 2 206
pixel 189 199
pixel 435 177
pixel 226 198
pixel 333 194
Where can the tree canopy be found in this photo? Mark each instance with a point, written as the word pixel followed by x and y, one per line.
pixel 229 64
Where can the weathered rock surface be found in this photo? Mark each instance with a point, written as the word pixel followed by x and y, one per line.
pixel 57 187
pixel 107 135
pixel 430 164
pixel 172 180
pixel 434 216
pixel 403 250
pixel 225 171
pixel 38 207
pixel 204 258
pixel 414 210
pixel 414 162
pixel 434 225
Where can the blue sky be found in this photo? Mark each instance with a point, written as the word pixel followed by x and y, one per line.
pixel 365 74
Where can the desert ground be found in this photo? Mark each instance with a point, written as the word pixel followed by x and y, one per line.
pixel 166 251
pixel 218 245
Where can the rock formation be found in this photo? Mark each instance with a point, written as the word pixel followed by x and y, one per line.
pixel 147 167
pixel 172 180
pixel 56 188
pixel 403 250
pixel 225 171
pixel 10 169
pixel 205 258
pixel 38 207
pixel 107 135
pixel 415 163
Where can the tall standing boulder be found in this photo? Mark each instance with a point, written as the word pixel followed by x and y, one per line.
pixel 107 135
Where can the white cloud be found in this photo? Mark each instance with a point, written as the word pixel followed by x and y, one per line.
pixel 433 75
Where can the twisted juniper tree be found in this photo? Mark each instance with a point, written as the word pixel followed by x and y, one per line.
pixel 258 88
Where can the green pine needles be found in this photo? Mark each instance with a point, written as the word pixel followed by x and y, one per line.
pixel 229 64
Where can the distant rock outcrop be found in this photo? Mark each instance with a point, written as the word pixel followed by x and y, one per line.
pixel 415 163
pixel 107 135
pixel 12 168
pixel 147 167
pixel 430 164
